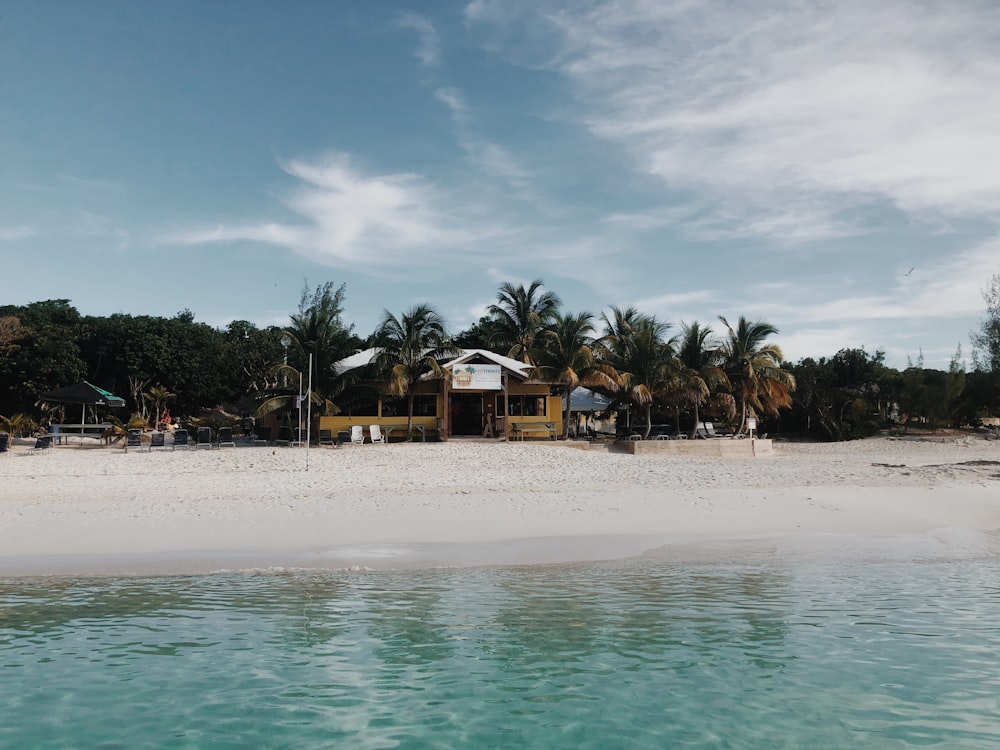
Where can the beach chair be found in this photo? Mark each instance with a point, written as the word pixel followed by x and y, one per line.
pixel 157 440
pixel 357 434
pixel 180 439
pixel 42 443
pixel 262 435
pixel 133 439
pixel 204 438
pixel 376 433
pixel 284 436
pixel 226 437
pixel 300 436
pixel 4 443
pixel 326 438
pixel 706 430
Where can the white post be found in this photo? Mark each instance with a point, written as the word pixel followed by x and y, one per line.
pixel 308 409
pixel 506 406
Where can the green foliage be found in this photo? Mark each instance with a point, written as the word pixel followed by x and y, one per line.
pixel 47 354
pixel 316 329
pixel 480 335
pixel 407 348
pixel 19 425
pixel 564 353
pixel 700 377
pixel 754 367
pixel 638 349
pixel 986 341
pixel 845 397
pixel 519 315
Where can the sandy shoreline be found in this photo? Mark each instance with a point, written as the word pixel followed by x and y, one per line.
pixel 100 510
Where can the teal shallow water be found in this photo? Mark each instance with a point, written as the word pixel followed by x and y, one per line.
pixel 632 654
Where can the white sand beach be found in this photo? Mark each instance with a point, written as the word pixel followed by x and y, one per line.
pixel 100 510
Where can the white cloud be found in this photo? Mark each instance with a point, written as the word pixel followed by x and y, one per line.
pixel 351 219
pixel 787 116
pixel 429 50
pixel 13 234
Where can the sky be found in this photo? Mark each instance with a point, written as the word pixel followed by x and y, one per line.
pixel 832 168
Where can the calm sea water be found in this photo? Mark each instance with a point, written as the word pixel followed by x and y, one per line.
pixel 632 654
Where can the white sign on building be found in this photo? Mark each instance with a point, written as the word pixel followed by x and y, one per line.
pixel 477 377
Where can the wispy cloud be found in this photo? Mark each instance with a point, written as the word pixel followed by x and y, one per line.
pixel 352 219
pixel 488 156
pixel 786 117
pixel 428 52
pixel 13 234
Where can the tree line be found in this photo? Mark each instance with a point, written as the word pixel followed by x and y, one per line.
pixel 665 374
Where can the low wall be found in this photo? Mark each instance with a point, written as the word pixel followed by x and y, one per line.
pixel 724 447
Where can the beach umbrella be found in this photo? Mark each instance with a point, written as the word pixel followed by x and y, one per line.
pixel 86 394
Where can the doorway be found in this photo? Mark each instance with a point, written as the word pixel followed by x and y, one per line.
pixel 466 411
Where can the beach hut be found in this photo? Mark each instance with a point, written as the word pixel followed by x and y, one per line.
pixel 483 394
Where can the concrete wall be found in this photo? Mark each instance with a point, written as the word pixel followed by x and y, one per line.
pixel 723 447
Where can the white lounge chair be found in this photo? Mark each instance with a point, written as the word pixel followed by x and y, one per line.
pixel 357 434
pixel 376 433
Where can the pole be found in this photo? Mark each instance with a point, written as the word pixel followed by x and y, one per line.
pixel 506 406
pixel 309 409
pixel 298 435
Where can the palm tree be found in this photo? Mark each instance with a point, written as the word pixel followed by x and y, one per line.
pixel 409 347
pixel 754 369
pixel 700 372
pixel 520 315
pixel 158 395
pixel 317 329
pixel 637 347
pixel 564 354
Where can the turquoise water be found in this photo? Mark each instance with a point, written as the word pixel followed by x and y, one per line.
pixel 630 654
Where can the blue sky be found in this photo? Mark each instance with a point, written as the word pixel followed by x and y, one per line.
pixel 832 168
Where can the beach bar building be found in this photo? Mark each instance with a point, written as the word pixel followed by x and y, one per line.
pixel 482 394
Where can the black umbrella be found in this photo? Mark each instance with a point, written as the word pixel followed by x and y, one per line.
pixel 85 394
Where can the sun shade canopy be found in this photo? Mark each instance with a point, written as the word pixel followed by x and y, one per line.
pixel 84 393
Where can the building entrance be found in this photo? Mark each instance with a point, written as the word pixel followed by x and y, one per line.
pixel 466 411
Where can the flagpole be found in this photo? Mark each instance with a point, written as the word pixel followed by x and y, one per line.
pixel 309 401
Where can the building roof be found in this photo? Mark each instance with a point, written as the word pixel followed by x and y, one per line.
pixel 365 356
pixel 362 358
pixel 518 368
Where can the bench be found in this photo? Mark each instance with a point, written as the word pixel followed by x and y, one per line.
pixel 388 429
pixel 518 429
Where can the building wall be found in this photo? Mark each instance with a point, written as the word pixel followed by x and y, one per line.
pixel 553 413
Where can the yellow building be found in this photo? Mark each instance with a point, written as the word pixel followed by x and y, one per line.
pixel 483 394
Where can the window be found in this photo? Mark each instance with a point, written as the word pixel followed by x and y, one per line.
pixel 363 407
pixel 526 406
pixel 425 405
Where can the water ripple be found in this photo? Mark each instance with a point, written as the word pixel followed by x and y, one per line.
pixel 636 654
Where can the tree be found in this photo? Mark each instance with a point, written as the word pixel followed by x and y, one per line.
pixel 47 354
pixel 986 341
pixel 699 372
pixel 407 348
pixel 753 367
pixel 636 347
pixel 480 335
pixel 564 354
pixel 128 353
pixel 316 328
pixel 11 332
pixel 847 396
pixel 520 314
pixel 953 389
